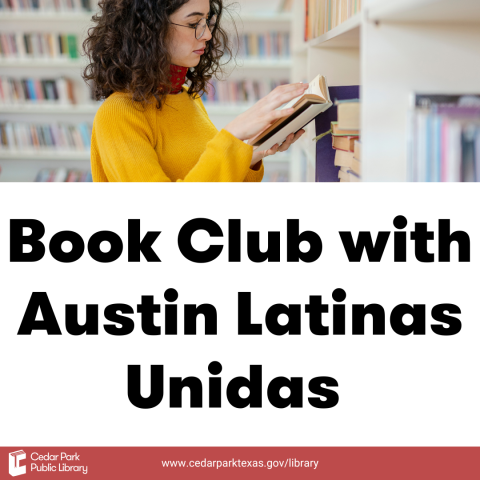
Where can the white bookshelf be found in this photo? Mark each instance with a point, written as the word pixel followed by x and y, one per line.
pixel 32 63
pixel 422 46
pixel 52 17
pixel 47 108
pixel 393 49
pixel 265 64
pixel 41 155
pixel 425 11
pixel 24 165
pixel 346 35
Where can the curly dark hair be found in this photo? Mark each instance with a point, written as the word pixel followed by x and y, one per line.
pixel 127 49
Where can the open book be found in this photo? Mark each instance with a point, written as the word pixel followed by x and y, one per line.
pixel 314 101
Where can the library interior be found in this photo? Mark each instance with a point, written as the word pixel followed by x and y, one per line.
pixel 403 79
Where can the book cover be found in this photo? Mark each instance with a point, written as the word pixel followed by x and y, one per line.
pixel 31 89
pixel 343 143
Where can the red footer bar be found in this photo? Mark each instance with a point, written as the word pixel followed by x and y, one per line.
pixel 333 463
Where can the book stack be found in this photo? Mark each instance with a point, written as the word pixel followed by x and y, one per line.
pixel 346 140
pixel 45 5
pixel 63 175
pixel 242 91
pixel 323 15
pixel 14 91
pixel 273 45
pixel 38 45
pixel 29 137
pixel 445 139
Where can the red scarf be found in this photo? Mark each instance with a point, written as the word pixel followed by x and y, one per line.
pixel 177 77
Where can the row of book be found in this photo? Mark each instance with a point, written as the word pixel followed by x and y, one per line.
pixel 35 90
pixel 45 5
pixel 242 91
pixel 266 45
pixel 38 45
pixel 323 15
pixel 25 137
pixel 63 175
pixel 445 139
pixel 346 140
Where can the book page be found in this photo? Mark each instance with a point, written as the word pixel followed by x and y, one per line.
pixel 313 88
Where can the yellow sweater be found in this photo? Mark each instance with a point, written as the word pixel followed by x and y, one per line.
pixel 131 143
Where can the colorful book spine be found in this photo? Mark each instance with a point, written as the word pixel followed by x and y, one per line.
pixel 23 136
pixel 321 16
pixel 38 45
pixel 35 90
pixel 63 175
pixel 445 143
pixel 45 5
pixel 239 92
pixel 271 45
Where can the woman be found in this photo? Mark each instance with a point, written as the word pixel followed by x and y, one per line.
pixel 151 128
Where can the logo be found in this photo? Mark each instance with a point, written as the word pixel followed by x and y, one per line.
pixel 14 467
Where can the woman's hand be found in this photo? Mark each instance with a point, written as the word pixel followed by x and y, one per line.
pixel 259 117
pixel 292 138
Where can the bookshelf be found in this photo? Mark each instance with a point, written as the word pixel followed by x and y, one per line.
pixel 31 63
pixel 23 165
pixel 393 49
pixel 346 35
pixel 34 17
pixel 46 108
pixel 422 46
pixel 48 155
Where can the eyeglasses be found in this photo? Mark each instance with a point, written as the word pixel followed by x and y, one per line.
pixel 201 26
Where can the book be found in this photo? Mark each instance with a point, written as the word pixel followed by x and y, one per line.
pixel 314 101
pixel 239 91
pixel 34 90
pixel 37 45
pixel 347 175
pixel 270 45
pixel 29 137
pixel 325 169
pixel 443 134
pixel 61 174
pixel 348 114
pixel 357 150
pixel 343 143
pixel 347 160
pixel 44 5
pixel 323 15
pixel 336 130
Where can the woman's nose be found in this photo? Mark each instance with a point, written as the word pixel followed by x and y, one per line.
pixel 207 34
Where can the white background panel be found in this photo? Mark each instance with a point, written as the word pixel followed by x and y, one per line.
pixel 394 390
